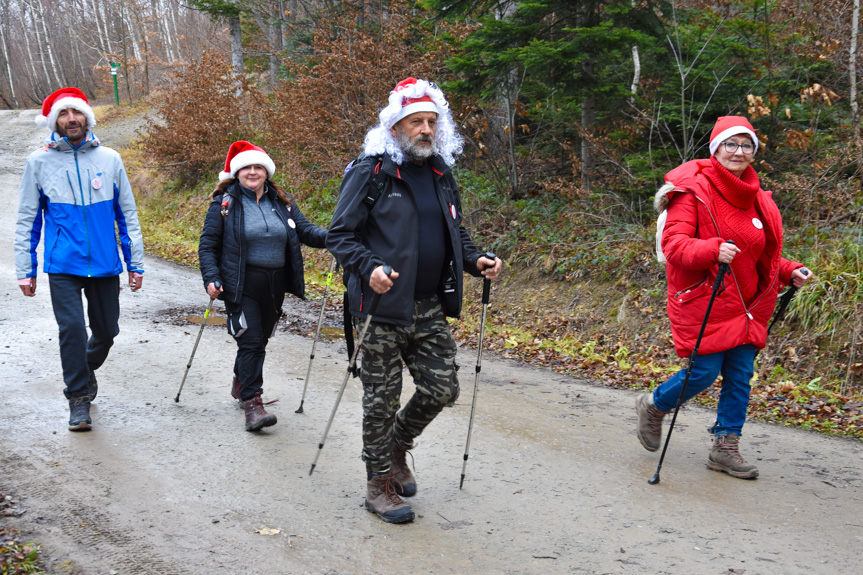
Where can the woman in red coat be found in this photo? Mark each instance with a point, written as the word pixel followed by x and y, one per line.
pixel 710 202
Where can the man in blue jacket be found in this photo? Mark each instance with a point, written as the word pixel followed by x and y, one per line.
pixel 413 224
pixel 77 190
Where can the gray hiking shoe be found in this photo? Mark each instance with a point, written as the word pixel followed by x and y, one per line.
pixel 92 386
pixel 649 429
pixel 381 498
pixel 725 456
pixel 405 483
pixel 79 414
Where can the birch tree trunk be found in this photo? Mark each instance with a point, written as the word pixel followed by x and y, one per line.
pixel 7 55
pixel 33 74
pixel 39 44
pixel 852 72
pixel 236 46
pixel 101 35
pixel 176 52
pixel 636 69
pixel 47 46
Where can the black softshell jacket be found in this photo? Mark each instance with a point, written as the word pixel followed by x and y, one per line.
pixel 362 239
pixel 221 252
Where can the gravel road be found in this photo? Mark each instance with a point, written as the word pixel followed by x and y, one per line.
pixel 556 481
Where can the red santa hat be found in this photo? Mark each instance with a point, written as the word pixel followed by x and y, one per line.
pixel 59 101
pixel 242 154
pixel 411 96
pixel 727 126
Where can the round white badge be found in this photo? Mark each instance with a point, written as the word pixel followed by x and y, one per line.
pixel 96 183
pixel 757 223
pixel 292 223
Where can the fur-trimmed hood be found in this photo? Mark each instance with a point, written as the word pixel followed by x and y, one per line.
pixel 683 178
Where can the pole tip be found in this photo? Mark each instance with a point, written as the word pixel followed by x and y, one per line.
pixel 461 483
pixel 312 470
pixel 177 399
pixel 300 408
pixel 654 480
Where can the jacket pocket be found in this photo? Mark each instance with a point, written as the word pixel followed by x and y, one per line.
pixel 694 292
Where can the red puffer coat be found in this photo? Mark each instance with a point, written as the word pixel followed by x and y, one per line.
pixel 690 243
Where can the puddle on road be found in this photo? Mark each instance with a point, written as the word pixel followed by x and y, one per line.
pixel 212 320
pixel 332 333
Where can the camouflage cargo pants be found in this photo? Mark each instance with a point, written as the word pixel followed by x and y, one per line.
pixel 428 349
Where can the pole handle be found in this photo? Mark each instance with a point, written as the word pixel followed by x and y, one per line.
pixel 486 283
pixel 376 297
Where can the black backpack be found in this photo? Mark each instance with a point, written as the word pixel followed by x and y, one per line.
pixel 374 190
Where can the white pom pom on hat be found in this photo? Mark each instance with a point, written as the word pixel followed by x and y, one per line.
pixel 242 154
pixel 60 100
pixel 727 126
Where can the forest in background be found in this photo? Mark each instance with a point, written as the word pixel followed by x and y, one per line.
pixel 572 113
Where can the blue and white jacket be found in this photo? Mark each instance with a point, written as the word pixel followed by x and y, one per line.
pixel 77 194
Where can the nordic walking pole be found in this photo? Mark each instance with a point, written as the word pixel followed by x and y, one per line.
pixel 785 300
pixel 486 291
pixel 723 269
pixel 218 284
pixel 373 304
pixel 317 332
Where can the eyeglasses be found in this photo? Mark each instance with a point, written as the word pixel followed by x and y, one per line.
pixel 731 148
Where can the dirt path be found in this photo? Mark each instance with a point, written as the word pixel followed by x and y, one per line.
pixel 556 481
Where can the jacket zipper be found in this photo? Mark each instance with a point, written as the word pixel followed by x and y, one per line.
pixel 239 233
pixel 83 210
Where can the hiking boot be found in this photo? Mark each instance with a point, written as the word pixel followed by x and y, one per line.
pixel 381 498
pixel 92 386
pixel 79 414
pixel 235 389
pixel 256 415
pixel 725 456
pixel 405 483
pixel 649 422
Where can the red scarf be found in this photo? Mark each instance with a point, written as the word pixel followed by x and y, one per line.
pixel 739 220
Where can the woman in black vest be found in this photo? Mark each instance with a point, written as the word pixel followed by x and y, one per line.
pixel 250 245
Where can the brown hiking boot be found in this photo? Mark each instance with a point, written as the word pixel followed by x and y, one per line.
pixel 725 456
pixel 256 416
pixel 649 429
pixel 381 498
pixel 405 483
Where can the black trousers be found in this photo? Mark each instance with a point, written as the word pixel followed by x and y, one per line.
pixel 261 304
pixel 78 353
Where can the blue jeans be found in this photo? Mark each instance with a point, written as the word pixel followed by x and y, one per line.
pixel 736 365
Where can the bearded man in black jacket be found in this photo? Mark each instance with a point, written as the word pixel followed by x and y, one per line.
pixel 414 226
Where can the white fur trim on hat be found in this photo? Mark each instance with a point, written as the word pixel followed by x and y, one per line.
pixel 423 106
pixel 249 158
pixel 732 131
pixel 58 106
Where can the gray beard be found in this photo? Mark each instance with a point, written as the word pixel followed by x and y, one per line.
pixel 412 151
